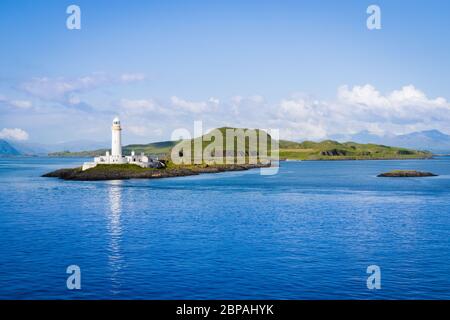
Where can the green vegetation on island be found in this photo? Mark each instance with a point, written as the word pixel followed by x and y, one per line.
pixel 156 149
pixel 231 147
pixel 226 145
pixel 288 150
pixel 333 150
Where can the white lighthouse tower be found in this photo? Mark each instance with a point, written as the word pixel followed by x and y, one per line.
pixel 116 153
pixel 116 146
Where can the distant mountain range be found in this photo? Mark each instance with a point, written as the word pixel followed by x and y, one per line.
pixel 430 140
pixel 30 148
pixel 7 149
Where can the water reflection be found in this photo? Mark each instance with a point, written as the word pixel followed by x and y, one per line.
pixel 115 258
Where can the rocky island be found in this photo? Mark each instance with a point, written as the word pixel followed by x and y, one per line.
pixel 223 143
pixel 131 171
pixel 406 174
pixel 115 166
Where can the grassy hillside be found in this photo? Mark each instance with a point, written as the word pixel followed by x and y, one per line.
pixel 333 150
pixel 154 149
pixel 307 150
pixel 214 148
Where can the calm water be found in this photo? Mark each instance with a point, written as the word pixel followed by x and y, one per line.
pixel 307 233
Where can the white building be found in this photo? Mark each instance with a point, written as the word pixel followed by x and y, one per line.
pixel 116 153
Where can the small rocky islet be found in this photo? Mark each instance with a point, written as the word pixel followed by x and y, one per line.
pixel 406 174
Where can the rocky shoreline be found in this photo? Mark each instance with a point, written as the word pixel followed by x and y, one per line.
pixel 110 173
pixel 406 174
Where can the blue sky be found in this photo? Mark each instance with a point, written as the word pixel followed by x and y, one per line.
pixel 309 68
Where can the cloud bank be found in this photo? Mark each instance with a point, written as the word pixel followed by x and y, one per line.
pixel 15 134
pixel 299 116
pixel 363 108
pixel 66 90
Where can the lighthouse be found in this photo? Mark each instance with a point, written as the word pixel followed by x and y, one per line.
pixel 116 148
pixel 115 157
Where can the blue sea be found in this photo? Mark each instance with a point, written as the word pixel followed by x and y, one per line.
pixel 308 232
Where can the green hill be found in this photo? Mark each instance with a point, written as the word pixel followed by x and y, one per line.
pixel 307 150
pixel 155 149
pixel 333 150
pixel 213 148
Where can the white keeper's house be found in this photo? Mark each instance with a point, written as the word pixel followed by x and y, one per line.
pixel 116 156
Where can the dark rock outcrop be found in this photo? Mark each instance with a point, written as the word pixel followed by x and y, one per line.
pixel 406 174
pixel 334 152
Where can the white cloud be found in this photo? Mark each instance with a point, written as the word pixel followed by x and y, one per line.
pixel 298 117
pixel 213 100
pixel 195 107
pixel 407 96
pixel 405 106
pixel 299 109
pixel 302 116
pixel 50 89
pixel 250 104
pixel 73 99
pixel 363 95
pixel 139 106
pixel 145 131
pixel 13 134
pixel 132 77
pixel 364 108
pixel 22 104
pixel 63 89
